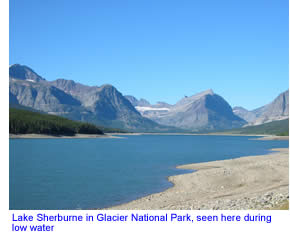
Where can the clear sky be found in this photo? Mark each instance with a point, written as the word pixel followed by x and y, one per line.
pixel 159 50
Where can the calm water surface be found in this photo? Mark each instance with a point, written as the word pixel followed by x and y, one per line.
pixel 97 173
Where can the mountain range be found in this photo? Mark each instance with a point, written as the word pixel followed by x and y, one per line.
pixel 105 105
pixel 202 111
pixel 209 111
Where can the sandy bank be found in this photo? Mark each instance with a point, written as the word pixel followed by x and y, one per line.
pixel 51 136
pixel 270 137
pixel 259 137
pixel 253 182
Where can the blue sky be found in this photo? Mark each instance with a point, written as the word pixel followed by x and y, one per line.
pixel 159 50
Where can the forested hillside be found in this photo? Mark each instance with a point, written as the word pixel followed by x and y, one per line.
pixel 24 122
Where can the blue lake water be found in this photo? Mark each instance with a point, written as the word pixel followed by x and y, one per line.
pixel 97 173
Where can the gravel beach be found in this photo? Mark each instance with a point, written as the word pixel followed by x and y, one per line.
pixel 252 182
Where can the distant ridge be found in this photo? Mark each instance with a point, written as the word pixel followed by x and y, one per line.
pixel 280 128
pixel 278 109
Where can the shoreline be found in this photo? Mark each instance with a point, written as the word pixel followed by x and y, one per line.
pixel 123 135
pixel 251 182
pixel 259 136
pixel 272 137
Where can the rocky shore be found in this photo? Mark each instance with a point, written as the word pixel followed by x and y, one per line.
pixel 253 182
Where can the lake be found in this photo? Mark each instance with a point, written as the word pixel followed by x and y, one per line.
pixel 101 172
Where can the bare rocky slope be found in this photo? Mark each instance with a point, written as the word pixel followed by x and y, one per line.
pixel 278 109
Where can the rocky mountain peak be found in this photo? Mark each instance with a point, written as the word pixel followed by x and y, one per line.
pixel 23 72
pixel 143 102
pixel 193 98
pixel 208 91
pixel 135 102
pixel 132 100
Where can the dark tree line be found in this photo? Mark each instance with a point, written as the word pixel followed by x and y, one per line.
pixel 23 122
